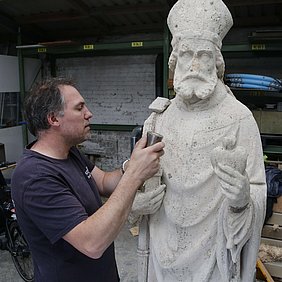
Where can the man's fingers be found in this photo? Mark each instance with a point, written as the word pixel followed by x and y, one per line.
pixel 142 142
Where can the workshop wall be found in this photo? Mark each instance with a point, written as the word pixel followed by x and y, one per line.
pixel 118 91
pixel 110 148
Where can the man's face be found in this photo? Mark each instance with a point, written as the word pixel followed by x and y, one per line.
pixel 195 73
pixel 74 124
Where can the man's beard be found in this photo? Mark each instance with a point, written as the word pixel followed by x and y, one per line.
pixel 195 85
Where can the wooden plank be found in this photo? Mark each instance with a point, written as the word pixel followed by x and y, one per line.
pixel 270 231
pixel 265 273
pixel 271 242
pixel 276 218
pixel 277 207
pixel 7 167
pixel 274 268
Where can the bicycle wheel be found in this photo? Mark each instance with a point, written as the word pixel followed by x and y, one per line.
pixel 20 252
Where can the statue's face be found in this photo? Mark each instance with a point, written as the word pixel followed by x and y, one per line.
pixel 195 73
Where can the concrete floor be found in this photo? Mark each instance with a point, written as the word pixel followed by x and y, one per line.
pixel 126 255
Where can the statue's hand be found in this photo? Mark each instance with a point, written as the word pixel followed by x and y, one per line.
pixel 148 202
pixel 235 186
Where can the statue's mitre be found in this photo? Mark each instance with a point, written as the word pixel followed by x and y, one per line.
pixel 202 19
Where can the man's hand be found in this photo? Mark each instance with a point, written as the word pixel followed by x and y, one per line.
pixel 144 161
pixel 234 185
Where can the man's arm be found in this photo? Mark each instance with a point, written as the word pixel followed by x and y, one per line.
pixel 106 181
pixel 95 234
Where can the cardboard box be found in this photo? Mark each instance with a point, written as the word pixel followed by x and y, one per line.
pixel 277 207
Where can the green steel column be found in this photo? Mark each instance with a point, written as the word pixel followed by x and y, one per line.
pixel 166 46
pixel 53 66
pixel 22 84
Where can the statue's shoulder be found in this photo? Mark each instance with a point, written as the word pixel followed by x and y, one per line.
pixel 159 105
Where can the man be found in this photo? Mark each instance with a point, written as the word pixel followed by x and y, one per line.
pixel 208 226
pixel 57 190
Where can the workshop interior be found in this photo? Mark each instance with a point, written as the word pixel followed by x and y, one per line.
pixel 117 51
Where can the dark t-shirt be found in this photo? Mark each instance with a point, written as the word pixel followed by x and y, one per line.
pixel 53 196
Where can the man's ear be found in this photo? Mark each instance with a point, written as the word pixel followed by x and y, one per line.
pixel 52 119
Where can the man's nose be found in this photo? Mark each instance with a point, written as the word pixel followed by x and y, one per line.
pixel 88 114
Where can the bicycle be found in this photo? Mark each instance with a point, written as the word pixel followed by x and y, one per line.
pixel 11 236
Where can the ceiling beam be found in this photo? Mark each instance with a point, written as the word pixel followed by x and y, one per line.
pixel 236 3
pixel 129 9
pixel 80 6
pixel 93 12
pixel 258 21
pixel 73 34
pixel 50 17
pixel 9 24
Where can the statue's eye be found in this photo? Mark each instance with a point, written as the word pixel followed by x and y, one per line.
pixel 205 55
pixel 188 55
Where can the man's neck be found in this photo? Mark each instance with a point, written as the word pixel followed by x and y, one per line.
pixel 51 147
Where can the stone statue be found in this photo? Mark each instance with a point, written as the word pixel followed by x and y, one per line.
pixel 206 226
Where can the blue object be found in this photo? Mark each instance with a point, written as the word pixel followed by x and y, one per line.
pixel 252 76
pixel 251 86
pixel 255 82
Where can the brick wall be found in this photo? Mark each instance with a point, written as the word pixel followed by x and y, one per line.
pixel 118 90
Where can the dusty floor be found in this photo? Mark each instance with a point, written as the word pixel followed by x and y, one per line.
pixel 126 255
pixel 126 246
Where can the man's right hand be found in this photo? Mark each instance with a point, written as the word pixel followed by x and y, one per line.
pixel 145 161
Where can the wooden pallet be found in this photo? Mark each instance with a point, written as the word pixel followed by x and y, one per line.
pixel 272 235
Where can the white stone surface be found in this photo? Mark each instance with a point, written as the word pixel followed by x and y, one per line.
pixel 209 224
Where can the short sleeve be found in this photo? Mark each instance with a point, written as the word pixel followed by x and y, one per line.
pixel 52 207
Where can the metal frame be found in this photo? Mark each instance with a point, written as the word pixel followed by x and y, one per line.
pixel 132 47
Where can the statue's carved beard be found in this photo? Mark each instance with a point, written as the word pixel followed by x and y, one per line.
pixel 195 84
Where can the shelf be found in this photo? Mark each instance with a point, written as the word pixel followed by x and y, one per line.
pixel 273 149
pixel 8 167
pixel 257 93
pixel 91 48
pixel 257 98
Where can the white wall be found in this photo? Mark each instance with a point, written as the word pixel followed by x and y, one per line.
pixel 12 139
pixel 117 89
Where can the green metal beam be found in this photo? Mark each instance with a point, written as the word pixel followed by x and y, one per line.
pixel 166 46
pixel 22 85
pixel 91 48
pixel 254 47
pixel 112 127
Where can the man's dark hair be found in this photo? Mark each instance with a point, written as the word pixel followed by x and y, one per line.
pixel 43 100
